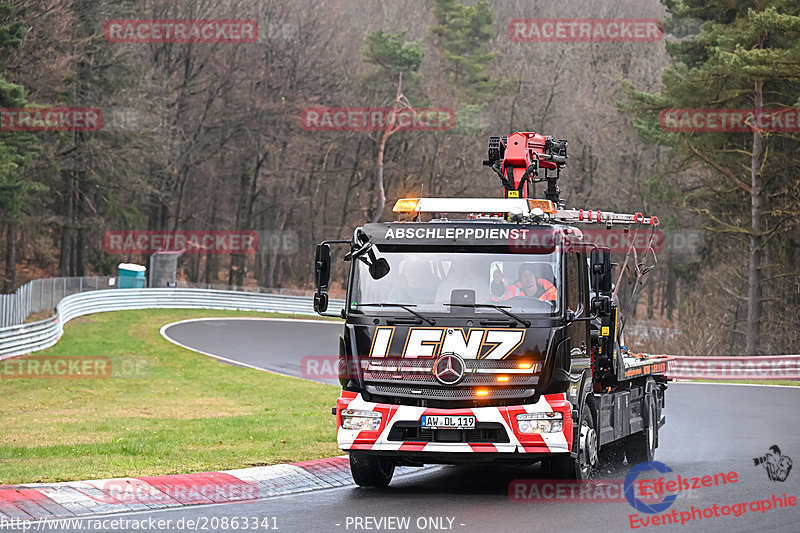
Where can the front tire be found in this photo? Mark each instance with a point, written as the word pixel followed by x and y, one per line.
pixel 371 470
pixel 580 468
pixel 641 447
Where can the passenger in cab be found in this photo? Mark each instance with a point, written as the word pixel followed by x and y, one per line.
pixel 535 281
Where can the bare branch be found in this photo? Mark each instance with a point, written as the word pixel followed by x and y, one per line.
pixel 724 171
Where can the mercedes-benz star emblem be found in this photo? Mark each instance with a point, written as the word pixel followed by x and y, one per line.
pixel 449 369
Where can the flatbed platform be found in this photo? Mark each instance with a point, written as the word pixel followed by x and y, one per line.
pixel 638 365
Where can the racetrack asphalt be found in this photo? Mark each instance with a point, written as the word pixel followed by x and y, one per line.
pixel 711 429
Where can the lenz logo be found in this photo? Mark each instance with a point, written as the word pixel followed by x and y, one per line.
pixel 477 343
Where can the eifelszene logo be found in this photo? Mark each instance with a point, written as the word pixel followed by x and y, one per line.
pixel 630 494
pixel 777 466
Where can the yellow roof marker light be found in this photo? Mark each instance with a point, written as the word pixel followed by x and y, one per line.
pixel 406 205
pixel 545 205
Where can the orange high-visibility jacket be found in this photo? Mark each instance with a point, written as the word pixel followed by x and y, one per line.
pixel 550 293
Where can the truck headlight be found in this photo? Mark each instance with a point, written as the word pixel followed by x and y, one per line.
pixel 540 422
pixel 356 419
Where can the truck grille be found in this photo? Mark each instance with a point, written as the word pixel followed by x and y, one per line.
pixel 448 393
pixel 398 377
pixel 484 432
pixel 430 379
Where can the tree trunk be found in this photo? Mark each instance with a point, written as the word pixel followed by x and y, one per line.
pixel 379 183
pixel 390 129
pixel 754 267
pixel 671 292
pixel 80 231
pixel 235 275
pixel 11 257
pixel 211 259
pixel 66 227
pixel 248 187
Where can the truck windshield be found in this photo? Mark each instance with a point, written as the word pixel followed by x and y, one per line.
pixel 523 284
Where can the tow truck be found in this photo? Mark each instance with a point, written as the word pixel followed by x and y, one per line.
pixel 485 330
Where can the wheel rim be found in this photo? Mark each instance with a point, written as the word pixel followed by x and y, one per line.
pixel 588 449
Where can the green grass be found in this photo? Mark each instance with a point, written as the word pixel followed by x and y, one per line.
pixel 163 410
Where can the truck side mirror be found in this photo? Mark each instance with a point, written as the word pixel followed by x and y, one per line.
pixel 322 266
pixel 321 302
pixel 322 275
pixel 601 270
pixel 379 268
pixel 601 305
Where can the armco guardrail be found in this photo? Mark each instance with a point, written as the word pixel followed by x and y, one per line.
pixel 736 367
pixel 26 338
pixel 44 294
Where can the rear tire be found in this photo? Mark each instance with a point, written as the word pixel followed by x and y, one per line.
pixel 371 470
pixel 580 468
pixel 641 447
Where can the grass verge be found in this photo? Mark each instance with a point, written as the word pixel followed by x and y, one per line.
pixel 163 409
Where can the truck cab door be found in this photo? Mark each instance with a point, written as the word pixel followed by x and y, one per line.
pixel 576 334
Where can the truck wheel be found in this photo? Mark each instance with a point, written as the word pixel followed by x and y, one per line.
pixel 371 470
pixel 564 466
pixel 641 447
pixel 612 455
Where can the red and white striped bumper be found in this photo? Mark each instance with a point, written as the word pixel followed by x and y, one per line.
pixel 377 440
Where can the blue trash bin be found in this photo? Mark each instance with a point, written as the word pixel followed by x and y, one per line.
pixel 131 276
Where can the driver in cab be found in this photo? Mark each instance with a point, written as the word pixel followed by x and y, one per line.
pixel 535 281
pixel 417 285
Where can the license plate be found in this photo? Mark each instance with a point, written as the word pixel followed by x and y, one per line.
pixel 447 422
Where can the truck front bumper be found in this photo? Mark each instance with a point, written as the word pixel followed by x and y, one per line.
pixel 500 433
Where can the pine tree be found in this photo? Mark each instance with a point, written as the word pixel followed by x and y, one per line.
pixel 745 56
pixel 17 149
pixel 462 35
pixel 395 59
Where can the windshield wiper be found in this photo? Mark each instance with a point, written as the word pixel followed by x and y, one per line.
pixel 407 307
pixel 501 308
